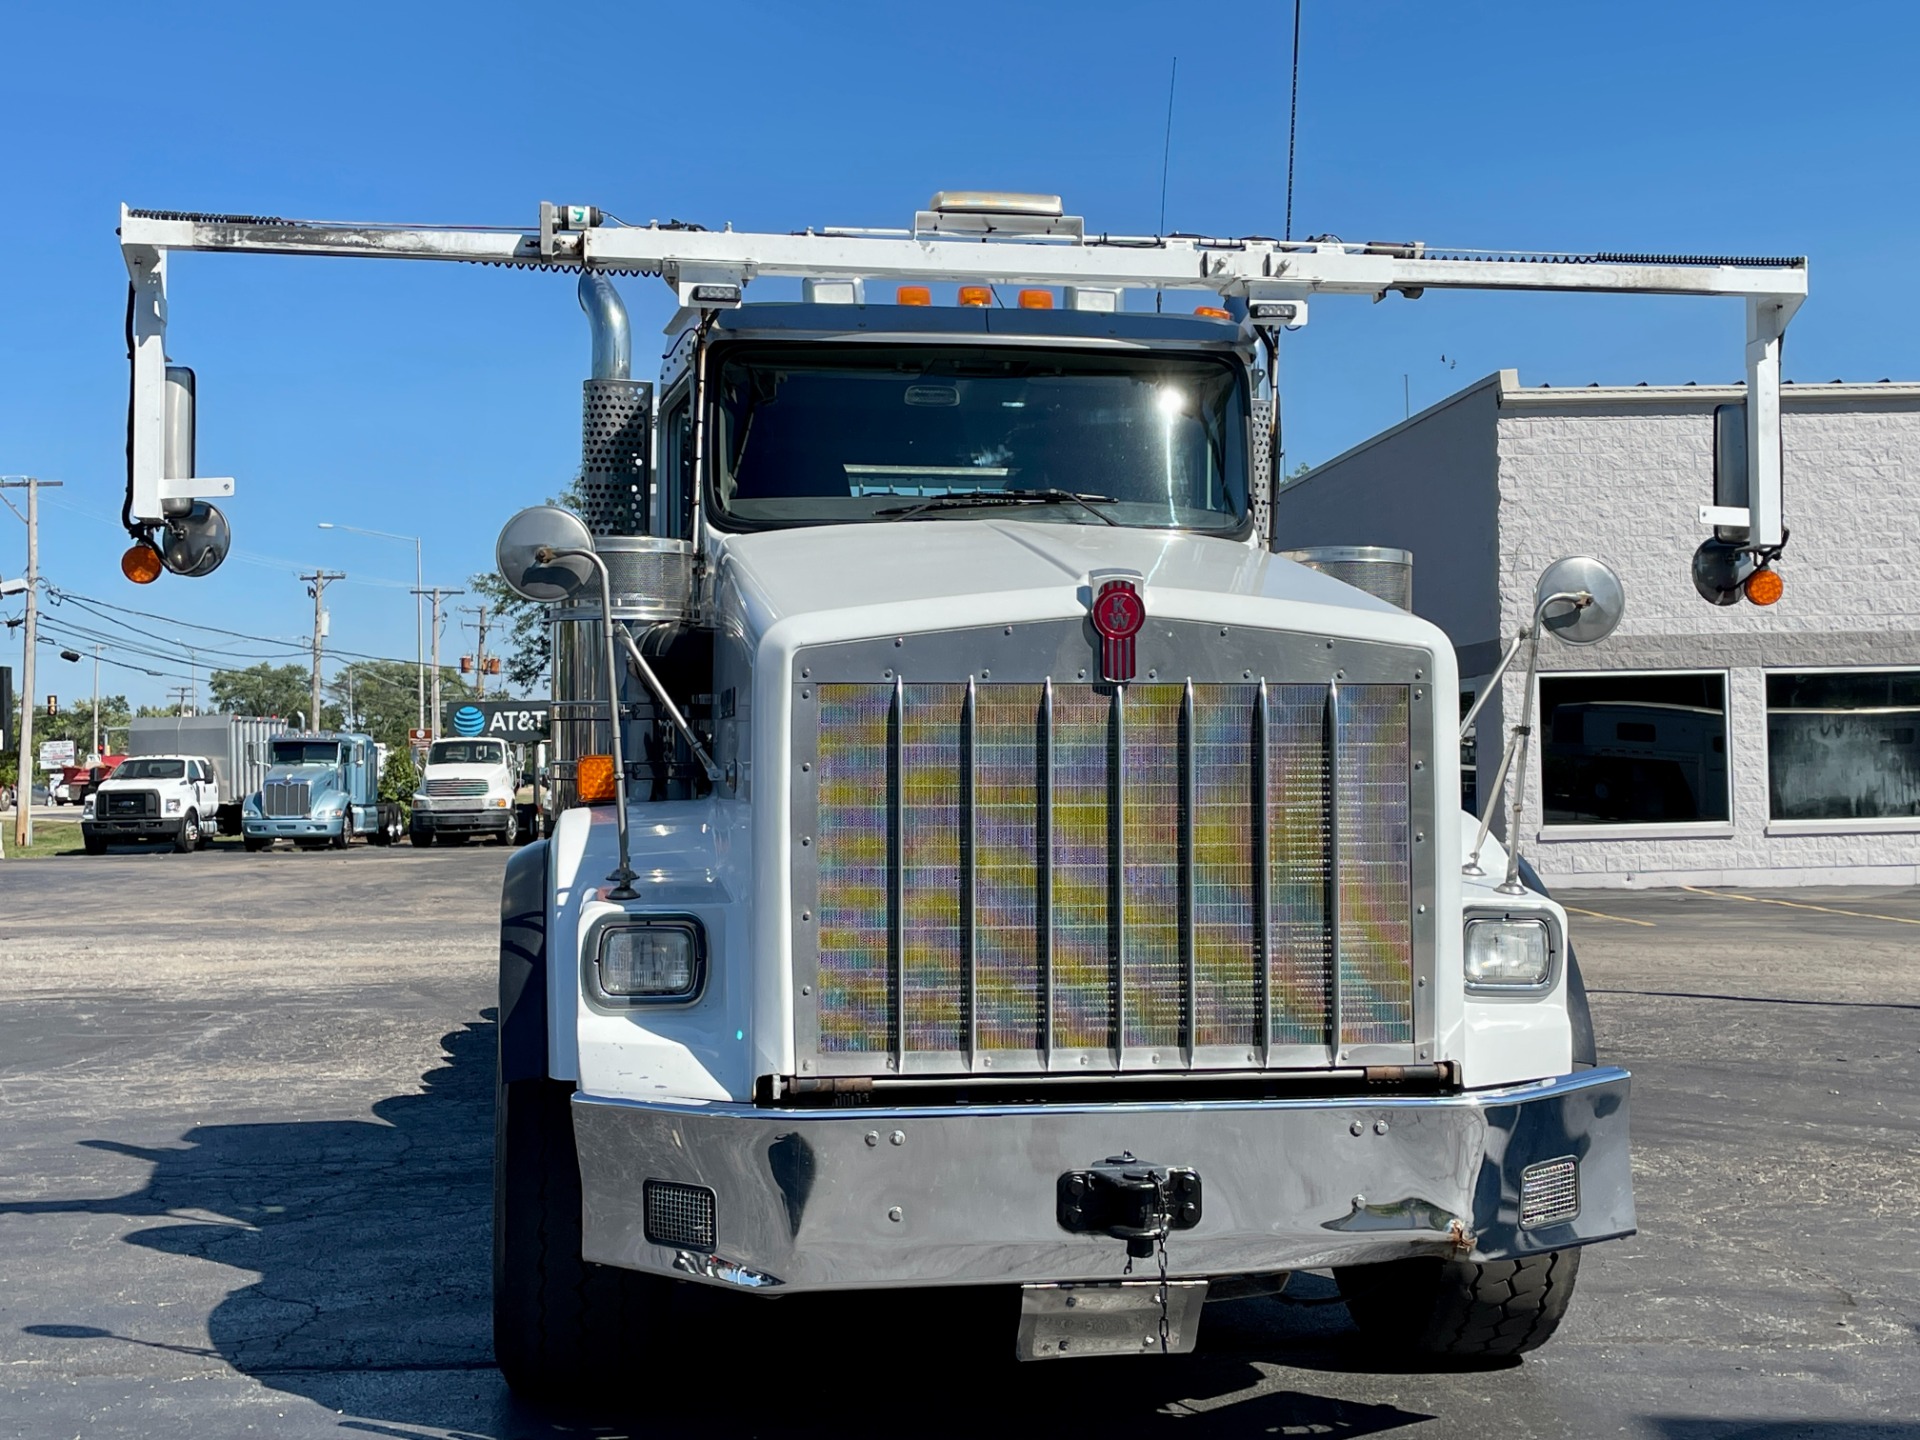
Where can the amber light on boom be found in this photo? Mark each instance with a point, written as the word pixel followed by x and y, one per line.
pixel 141 563
pixel 1764 587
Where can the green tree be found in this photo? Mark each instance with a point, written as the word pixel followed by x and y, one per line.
pixel 527 654
pixel 382 697
pixel 264 689
pixel 399 778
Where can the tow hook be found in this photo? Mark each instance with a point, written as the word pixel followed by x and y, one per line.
pixel 1129 1199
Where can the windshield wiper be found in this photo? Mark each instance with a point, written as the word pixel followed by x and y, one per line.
pixel 1005 497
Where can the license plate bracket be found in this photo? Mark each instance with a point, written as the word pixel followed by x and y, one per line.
pixel 1119 1317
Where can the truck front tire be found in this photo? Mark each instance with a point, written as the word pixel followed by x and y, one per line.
pixel 186 839
pixel 561 1327
pixel 1465 1313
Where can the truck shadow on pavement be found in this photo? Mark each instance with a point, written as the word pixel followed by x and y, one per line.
pixel 372 1241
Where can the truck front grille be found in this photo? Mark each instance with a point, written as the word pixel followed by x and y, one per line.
pixel 1083 877
pixel 129 803
pixel 285 798
pixel 453 788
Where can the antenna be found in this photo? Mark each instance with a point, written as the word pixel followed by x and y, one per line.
pixel 1293 119
pixel 1166 161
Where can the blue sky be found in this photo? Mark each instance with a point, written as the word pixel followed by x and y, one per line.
pixel 435 400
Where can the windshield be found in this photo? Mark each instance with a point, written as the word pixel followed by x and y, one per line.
pixel 151 770
pixel 837 433
pixel 306 752
pixel 467 752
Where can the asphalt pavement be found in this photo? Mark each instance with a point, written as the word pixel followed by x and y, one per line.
pixel 244 1190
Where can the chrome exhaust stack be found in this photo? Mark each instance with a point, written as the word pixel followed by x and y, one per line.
pixel 616 416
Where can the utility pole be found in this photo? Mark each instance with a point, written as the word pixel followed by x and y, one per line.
pixel 317 584
pixel 96 703
pixel 437 592
pixel 23 811
pixel 480 646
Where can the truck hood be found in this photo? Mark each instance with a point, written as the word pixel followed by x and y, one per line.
pixel 498 775
pixel 138 784
pixel 313 775
pixel 922 564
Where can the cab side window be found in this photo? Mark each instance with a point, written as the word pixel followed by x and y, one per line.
pixel 677 494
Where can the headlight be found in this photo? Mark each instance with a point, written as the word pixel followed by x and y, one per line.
pixel 422 802
pixel 327 811
pixel 653 961
pixel 173 807
pixel 496 803
pixel 1508 954
pixel 86 807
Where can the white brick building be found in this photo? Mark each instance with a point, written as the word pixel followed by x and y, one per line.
pixel 1696 745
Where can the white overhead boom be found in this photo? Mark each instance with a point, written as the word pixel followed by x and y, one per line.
pixel 712 269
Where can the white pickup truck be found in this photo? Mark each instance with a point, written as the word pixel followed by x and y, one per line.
pixel 153 797
pixel 467 788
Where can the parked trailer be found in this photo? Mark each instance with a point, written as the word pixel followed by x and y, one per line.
pixel 235 746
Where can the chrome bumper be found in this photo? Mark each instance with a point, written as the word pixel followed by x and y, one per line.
pixel 858 1199
pixel 279 828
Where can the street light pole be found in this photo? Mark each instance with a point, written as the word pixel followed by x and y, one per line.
pixel 96 701
pixel 419 605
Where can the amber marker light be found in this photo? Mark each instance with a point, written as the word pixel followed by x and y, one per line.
pixel 1036 299
pixel 1212 312
pixel 593 779
pixel 141 563
pixel 913 295
pixel 1764 587
pixel 976 295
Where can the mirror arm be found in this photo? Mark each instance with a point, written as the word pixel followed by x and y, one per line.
pixel 1466 722
pixel 665 702
pixel 1517 742
pixel 623 876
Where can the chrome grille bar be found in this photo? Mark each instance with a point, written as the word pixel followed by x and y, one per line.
pixel 1117 874
pixel 1186 844
pixel 1336 979
pixel 1263 872
pixel 1044 905
pixel 969 875
pixel 896 876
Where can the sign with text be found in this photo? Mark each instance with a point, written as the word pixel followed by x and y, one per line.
pixel 55 753
pixel 519 721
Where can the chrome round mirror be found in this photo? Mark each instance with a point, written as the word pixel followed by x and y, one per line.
pixel 196 541
pixel 1574 623
pixel 522 541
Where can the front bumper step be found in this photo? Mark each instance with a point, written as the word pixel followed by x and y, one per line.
pixel 872 1198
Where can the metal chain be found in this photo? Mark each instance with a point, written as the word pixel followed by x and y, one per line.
pixel 1164 1216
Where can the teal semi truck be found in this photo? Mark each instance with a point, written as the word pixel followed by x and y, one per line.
pixel 320 790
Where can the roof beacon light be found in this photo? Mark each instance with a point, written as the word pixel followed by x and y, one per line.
pixel 914 295
pixel 1764 586
pixel 996 202
pixel 1212 312
pixel 1036 299
pixel 976 295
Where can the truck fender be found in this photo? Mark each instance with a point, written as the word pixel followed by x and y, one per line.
pixel 523 965
pixel 1579 1016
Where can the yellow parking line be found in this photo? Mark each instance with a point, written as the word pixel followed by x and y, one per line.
pixel 1801 905
pixel 1596 915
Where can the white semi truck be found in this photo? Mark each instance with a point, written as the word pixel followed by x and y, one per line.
pixel 981 860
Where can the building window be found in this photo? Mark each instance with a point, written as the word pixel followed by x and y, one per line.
pixel 1843 744
pixel 1634 749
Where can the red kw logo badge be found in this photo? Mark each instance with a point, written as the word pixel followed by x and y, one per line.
pixel 1118 614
